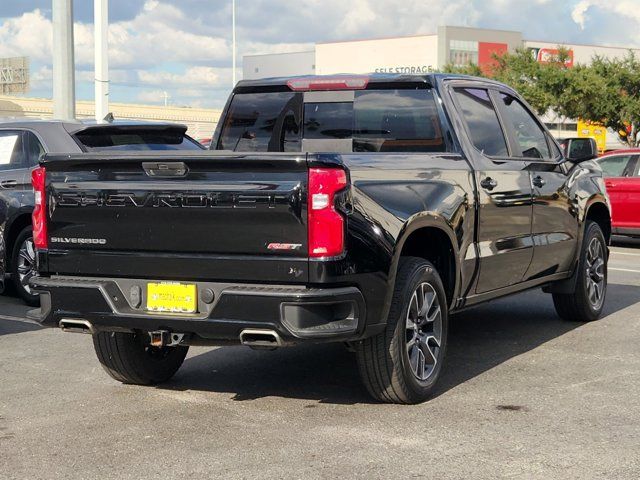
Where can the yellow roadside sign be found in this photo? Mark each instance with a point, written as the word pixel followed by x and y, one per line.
pixel 594 130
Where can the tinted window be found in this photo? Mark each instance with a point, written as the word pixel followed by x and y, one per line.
pixel 379 121
pixel 328 120
pixel 115 139
pixel 397 121
pixel 482 121
pixel 260 122
pixel 614 166
pixel 530 137
pixel 34 149
pixel 11 151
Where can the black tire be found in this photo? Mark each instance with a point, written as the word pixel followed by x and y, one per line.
pixel 128 359
pixel 580 306
pixel 384 361
pixel 23 266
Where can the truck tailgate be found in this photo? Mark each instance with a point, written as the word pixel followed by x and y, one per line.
pixel 206 215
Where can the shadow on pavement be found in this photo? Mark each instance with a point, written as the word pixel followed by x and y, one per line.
pixel 488 335
pixel 9 327
pixel 480 339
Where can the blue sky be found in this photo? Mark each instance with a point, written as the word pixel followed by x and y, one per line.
pixel 183 47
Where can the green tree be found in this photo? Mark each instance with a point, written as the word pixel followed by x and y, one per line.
pixel 606 91
pixel 614 99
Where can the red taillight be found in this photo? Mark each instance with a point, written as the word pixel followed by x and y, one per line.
pixel 39 216
pixel 326 224
pixel 328 83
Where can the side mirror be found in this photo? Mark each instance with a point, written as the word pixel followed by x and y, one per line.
pixel 579 149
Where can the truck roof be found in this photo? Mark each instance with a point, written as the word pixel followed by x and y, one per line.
pixel 430 79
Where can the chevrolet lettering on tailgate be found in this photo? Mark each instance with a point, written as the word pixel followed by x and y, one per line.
pixel 173 200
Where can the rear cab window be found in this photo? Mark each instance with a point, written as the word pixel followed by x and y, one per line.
pixel 371 120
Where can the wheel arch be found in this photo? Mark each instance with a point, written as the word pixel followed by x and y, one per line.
pixel 598 211
pixel 430 237
pixel 20 221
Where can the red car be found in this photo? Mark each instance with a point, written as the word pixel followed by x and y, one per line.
pixel 621 170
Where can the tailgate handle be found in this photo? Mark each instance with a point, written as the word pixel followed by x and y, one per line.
pixel 165 169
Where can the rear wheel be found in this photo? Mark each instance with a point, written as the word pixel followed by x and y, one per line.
pixel 403 363
pixel 585 304
pixel 23 266
pixel 129 358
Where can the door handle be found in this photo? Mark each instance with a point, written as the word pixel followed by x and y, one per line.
pixel 9 183
pixel 488 183
pixel 538 181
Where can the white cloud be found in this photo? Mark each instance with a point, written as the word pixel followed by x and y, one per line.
pixel 152 96
pixel 192 77
pixel 28 35
pixel 150 38
pixel 41 78
pixel 627 9
pixel 579 11
pixel 149 47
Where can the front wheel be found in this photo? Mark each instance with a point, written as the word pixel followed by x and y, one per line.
pixel 129 358
pixel 585 304
pixel 403 363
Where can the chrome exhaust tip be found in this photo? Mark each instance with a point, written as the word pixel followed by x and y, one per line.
pixel 257 338
pixel 76 326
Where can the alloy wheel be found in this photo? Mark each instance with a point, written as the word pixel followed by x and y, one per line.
pixel 595 273
pixel 423 331
pixel 26 263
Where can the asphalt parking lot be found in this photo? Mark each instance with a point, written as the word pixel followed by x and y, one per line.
pixel 524 395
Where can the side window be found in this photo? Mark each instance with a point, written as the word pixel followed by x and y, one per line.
pixel 614 166
pixel 34 149
pixel 11 152
pixel 530 137
pixel 482 121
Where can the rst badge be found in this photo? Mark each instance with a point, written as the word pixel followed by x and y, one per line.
pixel 284 246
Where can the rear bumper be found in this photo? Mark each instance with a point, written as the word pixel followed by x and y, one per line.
pixel 296 313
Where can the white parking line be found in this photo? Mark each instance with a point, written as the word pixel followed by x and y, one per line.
pixel 17 319
pixel 625 253
pixel 624 270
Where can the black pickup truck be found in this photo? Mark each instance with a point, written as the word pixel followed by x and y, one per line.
pixel 356 209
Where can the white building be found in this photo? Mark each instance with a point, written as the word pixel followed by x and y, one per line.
pixel 423 54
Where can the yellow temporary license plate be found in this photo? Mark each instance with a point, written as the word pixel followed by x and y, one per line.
pixel 172 297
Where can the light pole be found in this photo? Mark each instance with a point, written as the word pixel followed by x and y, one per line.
pixel 101 28
pixel 64 97
pixel 233 42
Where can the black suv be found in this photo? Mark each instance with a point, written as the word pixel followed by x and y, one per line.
pixel 24 142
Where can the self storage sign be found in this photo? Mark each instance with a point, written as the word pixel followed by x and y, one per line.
pixel 405 69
